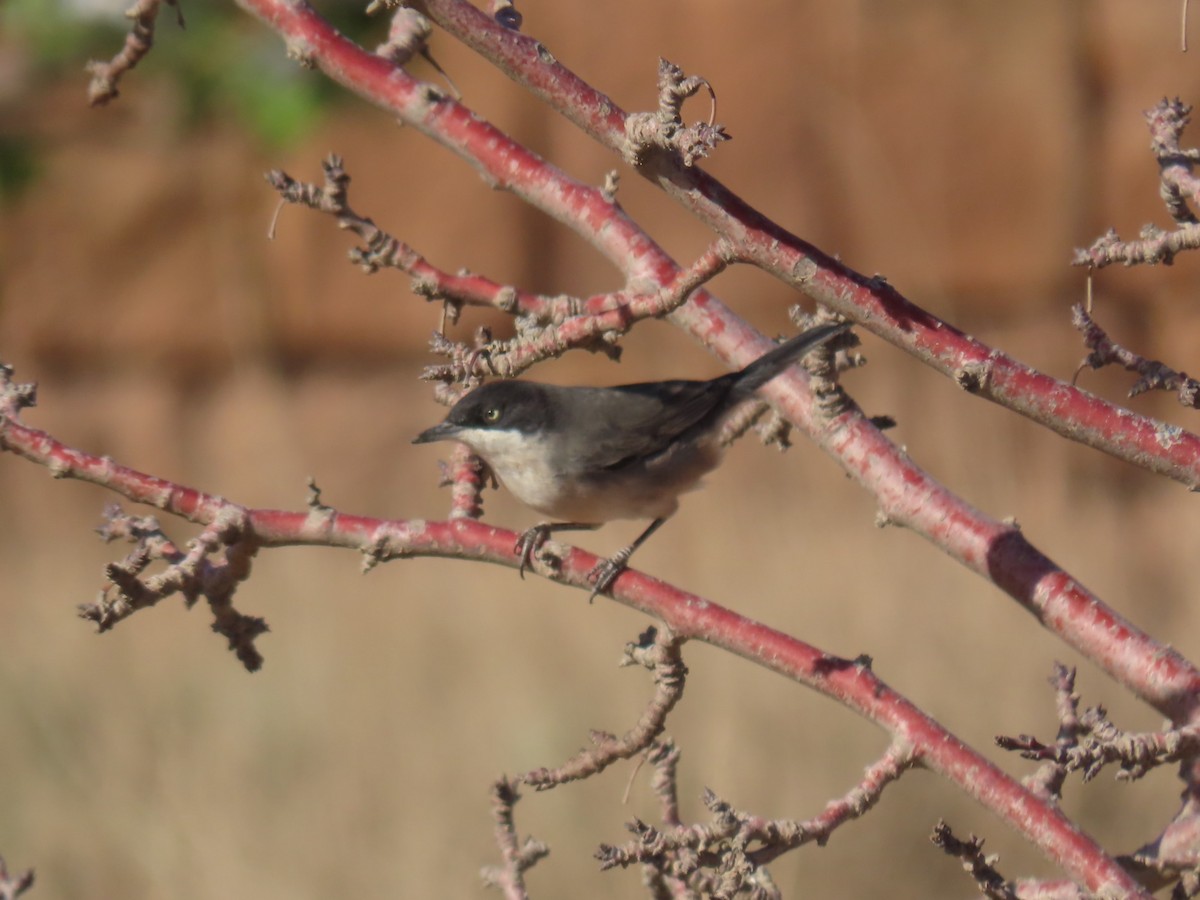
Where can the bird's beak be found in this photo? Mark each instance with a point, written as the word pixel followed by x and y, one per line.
pixel 443 431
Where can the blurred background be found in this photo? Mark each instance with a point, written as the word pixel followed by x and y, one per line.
pixel 960 149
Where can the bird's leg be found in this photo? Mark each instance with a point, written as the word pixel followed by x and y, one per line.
pixel 606 571
pixel 532 538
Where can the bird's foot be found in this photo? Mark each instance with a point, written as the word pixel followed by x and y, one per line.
pixel 605 572
pixel 532 539
pixel 528 543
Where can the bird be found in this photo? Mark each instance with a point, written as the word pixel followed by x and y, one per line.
pixel 585 456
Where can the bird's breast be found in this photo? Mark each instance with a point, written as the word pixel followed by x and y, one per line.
pixel 522 464
pixel 570 490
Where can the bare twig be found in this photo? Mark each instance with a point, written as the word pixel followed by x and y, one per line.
pixel 664 129
pixel 518 857
pixel 213 566
pixel 107 75
pixel 1050 776
pixel 730 853
pixel 1179 189
pixel 982 868
pixel 599 331
pixel 547 326
pixel 663 756
pixel 1153 375
pixel 1088 741
pixel 659 651
pixel 381 250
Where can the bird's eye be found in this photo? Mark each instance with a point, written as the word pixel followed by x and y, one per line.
pixel 491 414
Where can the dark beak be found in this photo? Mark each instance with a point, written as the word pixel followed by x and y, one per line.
pixel 443 431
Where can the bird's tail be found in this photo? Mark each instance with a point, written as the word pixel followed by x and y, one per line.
pixel 774 362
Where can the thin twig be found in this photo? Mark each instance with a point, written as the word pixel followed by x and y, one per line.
pixel 107 75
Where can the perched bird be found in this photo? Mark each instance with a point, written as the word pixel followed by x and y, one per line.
pixel 588 455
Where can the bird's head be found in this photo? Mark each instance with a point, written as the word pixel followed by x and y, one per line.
pixel 495 411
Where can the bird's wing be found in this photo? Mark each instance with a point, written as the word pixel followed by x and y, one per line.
pixel 636 421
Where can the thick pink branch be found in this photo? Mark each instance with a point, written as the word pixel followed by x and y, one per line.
pixel 1001 553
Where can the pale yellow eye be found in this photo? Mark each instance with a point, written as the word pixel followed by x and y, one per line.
pixel 491 414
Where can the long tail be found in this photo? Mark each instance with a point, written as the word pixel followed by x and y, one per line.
pixel 776 361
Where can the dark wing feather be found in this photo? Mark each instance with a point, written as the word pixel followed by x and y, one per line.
pixel 636 421
pixel 640 421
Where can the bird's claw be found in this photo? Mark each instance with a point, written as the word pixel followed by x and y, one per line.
pixel 605 572
pixel 602 575
pixel 527 544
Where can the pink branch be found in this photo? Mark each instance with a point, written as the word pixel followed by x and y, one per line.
pixel 466 476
